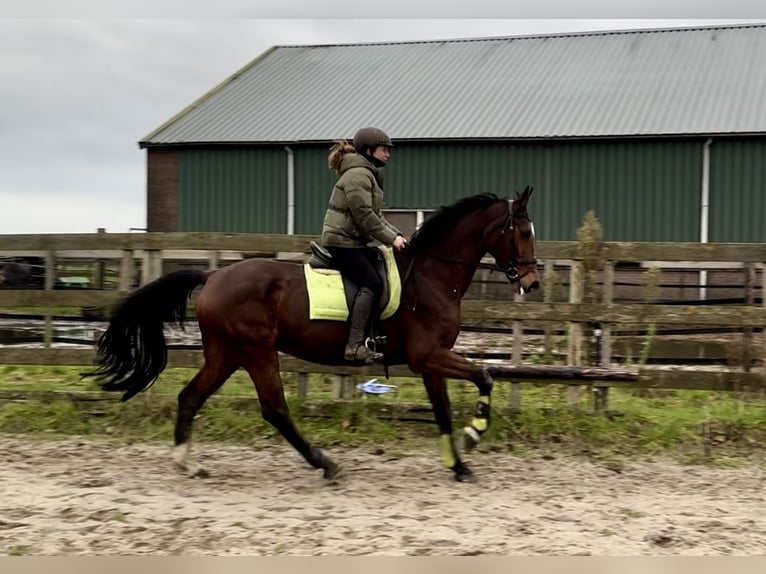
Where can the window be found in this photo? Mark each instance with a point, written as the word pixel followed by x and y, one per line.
pixel 407 220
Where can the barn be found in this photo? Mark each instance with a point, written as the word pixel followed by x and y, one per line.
pixel 662 133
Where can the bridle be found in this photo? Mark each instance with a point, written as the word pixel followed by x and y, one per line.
pixel 512 271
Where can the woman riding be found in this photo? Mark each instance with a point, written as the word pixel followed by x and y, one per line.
pixel 353 219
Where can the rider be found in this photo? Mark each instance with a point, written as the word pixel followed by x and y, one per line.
pixel 353 219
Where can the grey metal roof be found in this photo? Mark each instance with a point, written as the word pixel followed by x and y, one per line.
pixel 709 80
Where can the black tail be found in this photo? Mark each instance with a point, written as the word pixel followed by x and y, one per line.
pixel 132 352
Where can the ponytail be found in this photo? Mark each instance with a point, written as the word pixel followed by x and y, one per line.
pixel 337 151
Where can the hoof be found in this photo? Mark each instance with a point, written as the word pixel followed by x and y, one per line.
pixel 464 474
pixel 319 459
pixel 331 471
pixel 192 471
pixel 199 472
pixel 469 439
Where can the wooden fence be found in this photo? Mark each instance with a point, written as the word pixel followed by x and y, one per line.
pixel 587 307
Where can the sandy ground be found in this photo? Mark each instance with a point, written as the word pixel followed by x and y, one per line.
pixel 82 497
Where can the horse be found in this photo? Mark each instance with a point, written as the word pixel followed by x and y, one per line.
pixel 252 310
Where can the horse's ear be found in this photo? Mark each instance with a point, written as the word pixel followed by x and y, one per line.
pixel 523 197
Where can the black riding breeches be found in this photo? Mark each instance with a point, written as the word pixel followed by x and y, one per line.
pixel 358 263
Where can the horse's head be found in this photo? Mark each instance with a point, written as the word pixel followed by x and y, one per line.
pixel 513 244
pixel 503 228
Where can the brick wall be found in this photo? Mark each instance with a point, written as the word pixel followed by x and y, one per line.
pixel 162 190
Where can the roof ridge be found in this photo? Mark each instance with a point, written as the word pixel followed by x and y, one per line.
pixel 618 31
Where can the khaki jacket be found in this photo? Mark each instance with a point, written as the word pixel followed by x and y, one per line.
pixel 354 215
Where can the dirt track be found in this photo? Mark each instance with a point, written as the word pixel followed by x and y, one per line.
pixel 80 497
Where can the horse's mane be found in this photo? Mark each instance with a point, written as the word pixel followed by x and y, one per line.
pixel 446 217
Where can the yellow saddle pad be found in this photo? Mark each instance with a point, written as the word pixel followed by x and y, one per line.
pixel 327 297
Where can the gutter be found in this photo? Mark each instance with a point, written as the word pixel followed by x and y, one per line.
pixel 290 190
pixel 705 209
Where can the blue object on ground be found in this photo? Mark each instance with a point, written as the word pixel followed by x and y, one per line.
pixel 373 387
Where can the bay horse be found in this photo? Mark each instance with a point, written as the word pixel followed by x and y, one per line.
pixel 250 311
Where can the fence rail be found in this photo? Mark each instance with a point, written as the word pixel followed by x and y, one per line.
pixel 681 378
pixel 40 244
pixel 148 252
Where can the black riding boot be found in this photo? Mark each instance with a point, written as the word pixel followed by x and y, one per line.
pixel 356 351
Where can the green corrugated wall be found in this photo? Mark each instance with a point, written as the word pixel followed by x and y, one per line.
pixel 233 189
pixel 313 183
pixel 737 191
pixel 638 190
pixel 641 190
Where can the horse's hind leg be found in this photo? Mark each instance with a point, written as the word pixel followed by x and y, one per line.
pixel 214 373
pixel 262 364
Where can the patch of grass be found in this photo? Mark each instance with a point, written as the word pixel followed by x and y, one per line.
pixel 695 427
pixel 39 417
pixel 118 517
pixel 17 551
pixel 630 513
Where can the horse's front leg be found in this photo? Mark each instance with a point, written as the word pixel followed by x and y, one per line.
pixel 447 363
pixel 436 388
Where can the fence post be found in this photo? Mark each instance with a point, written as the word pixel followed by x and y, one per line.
pixel 337 386
pixel 342 386
pixel 747 332
pixel 763 304
pixel 601 394
pixel 127 270
pixel 303 385
pixel 548 297
pixel 212 259
pixel 483 279
pixel 348 387
pixel 151 267
pixel 574 342
pixel 50 279
pixel 97 275
pixel 517 356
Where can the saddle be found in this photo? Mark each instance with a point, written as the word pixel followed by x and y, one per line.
pixel 322 259
pixel 323 278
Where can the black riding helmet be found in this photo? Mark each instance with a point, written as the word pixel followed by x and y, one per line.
pixel 367 139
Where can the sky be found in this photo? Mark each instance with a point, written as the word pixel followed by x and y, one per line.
pixel 77 94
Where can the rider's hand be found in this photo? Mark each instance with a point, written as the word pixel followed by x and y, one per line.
pixel 400 243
